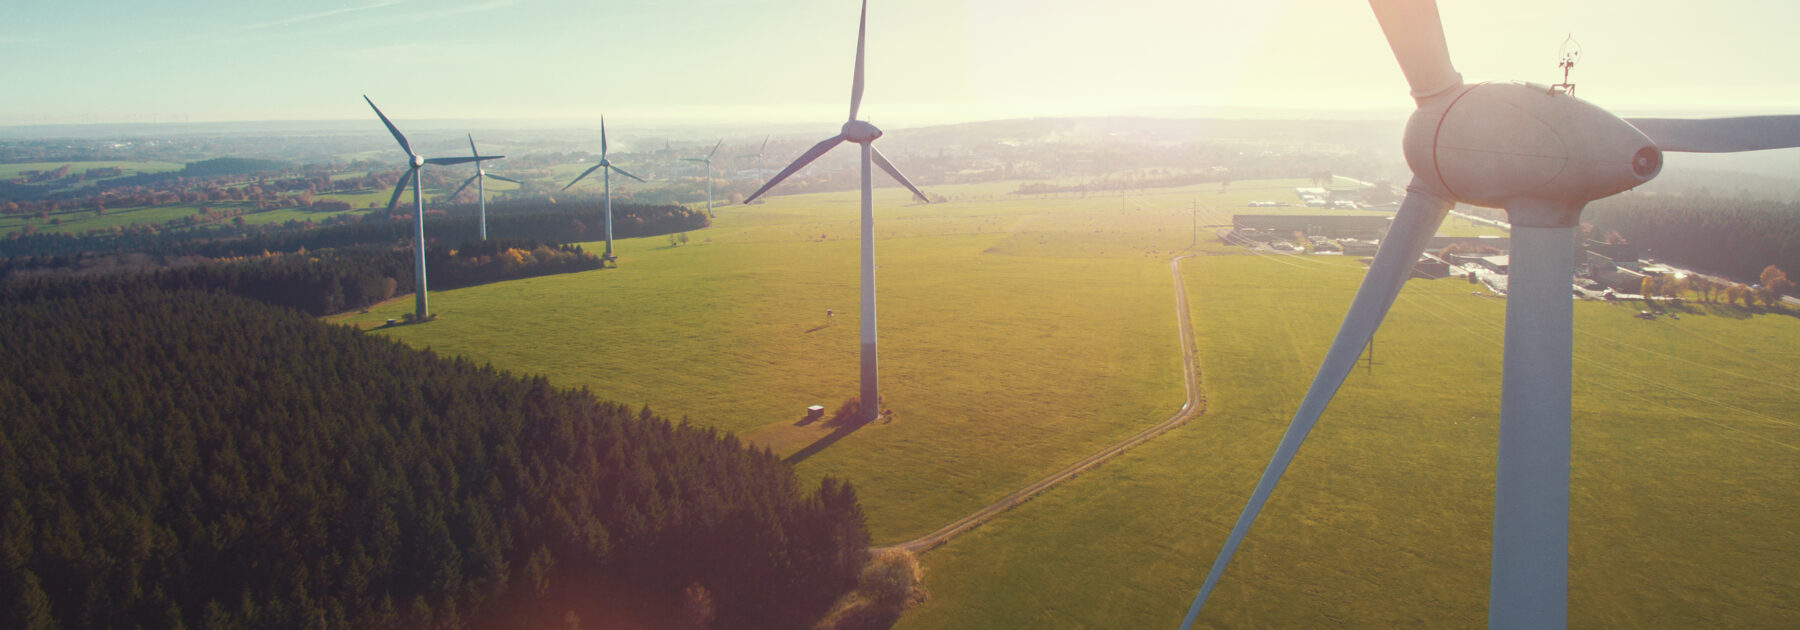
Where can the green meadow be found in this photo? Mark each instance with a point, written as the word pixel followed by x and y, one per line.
pixel 1684 494
pixel 1021 334
pixel 13 171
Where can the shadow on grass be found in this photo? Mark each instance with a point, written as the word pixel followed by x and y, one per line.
pixel 817 328
pixel 845 421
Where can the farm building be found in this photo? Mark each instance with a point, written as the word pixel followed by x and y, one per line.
pixel 1501 243
pixel 1331 226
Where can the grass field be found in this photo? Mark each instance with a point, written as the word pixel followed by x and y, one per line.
pixel 12 171
pixel 1004 355
pixel 1019 335
pixel 1684 493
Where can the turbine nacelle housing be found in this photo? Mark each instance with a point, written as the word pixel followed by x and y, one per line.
pixel 860 132
pixel 1501 145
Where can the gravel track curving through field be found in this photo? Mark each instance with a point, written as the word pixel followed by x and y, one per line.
pixel 1193 407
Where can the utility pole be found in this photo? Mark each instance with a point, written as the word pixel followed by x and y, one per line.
pixel 1195 211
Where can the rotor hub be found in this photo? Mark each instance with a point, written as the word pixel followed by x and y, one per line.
pixel 860 132
pixel 418 161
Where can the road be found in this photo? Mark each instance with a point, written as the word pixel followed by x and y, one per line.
pixel 1194 406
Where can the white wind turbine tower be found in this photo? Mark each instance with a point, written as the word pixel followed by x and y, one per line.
pixel 709 177
pixel 605 176
pixel 1541 154
pixel 414 162
pixel 863 133
pixel 479 178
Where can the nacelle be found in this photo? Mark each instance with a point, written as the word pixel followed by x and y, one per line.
pixel 1500 144
pixel 860 132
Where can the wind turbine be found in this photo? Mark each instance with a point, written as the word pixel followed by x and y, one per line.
pixel 606 176
pixel 480 179
pixel 414 162
pixel 1541 154
pixel 863 133
pixel 709 178
pixel 759 153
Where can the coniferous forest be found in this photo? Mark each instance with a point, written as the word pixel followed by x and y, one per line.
pixel 319 283
pixel 1732 237
pixel 180 459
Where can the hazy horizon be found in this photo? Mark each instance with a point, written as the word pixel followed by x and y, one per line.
pixel 744 62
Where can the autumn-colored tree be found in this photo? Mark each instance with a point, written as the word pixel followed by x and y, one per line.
pixel 1775 283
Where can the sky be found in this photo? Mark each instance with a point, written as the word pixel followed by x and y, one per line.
pixel 787 61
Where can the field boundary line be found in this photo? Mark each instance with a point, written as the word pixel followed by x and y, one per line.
pixel 1194 406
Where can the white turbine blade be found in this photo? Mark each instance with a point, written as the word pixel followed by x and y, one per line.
pixel 602 137
pixel 399 187
pixel 1530 562
pixel 715 150
pixel 1416 34
pixel 585 173
pixel 856 85
pixel 882 161
pixel 692 160
pixel 391 128
pixel 459 189
pixel 505 179
pixel 472 150
pixel 1416 221
pixel 804 159
pixel 1721 135
pixel 460 160
pixel 765 145
pixel 622 172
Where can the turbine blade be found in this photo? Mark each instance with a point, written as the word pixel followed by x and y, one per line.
pixel 391 128
pixel 692 160
pixel 622 172
pixel 1416 221
pixel 505 179
pixel 765 145
pixel 465 184
pixel 715 150
pixel 856 85
pixel 799 162
pixel 1721 135
pixel 1416 34
pixel 602 137
pixel 458 160
pixel 472 150
pixel 399 187
pixel 882 161
pixel 585 173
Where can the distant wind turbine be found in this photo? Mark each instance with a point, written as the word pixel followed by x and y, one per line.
pixel 863 133
pixel 1541 154
pixel 759 153
pixel 708 161
pixel 605 176
pixel 479 177
pixel 414 162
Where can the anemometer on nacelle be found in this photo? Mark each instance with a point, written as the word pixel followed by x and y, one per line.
pixel 1569 52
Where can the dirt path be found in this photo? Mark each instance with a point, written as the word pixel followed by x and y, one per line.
pixel 1193 407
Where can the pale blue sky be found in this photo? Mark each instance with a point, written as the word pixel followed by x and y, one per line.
pixel 930 61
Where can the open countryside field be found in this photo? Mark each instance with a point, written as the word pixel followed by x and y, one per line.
pixel 1684 493
pixel 1017 335
pixel 1022 334
pixel 79 221
pixel 13 171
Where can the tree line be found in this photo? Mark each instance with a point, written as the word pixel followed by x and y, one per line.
pixel 198 460
pixel 541 220
pixel 1737 238
pixel 316 283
